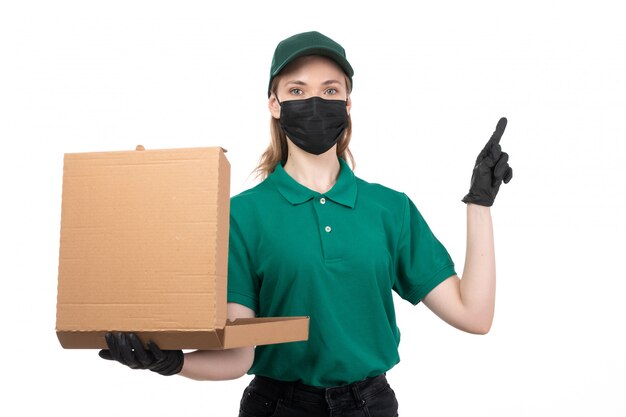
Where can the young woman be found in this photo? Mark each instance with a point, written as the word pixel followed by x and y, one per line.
pixel 313 239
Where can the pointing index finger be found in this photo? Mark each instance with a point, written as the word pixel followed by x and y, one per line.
pixel 497 134
pixel 494 140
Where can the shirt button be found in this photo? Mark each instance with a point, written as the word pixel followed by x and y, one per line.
pixel 328 229
pixel 322 200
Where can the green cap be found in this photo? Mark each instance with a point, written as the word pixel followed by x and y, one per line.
pixel 308 43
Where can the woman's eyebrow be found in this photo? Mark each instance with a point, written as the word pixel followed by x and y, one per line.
pixel 299 82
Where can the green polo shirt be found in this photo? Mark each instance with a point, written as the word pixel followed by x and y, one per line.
pixel 335 257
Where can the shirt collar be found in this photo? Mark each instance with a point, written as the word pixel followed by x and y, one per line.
pixel 343 192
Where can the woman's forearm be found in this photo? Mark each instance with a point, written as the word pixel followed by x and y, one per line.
pixel 478 283
pixel 217 365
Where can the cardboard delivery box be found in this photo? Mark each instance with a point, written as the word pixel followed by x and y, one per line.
pixel 144 248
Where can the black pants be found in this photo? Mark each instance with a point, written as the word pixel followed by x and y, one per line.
pixel 267 397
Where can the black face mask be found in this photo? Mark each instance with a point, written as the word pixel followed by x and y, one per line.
pixel 314 124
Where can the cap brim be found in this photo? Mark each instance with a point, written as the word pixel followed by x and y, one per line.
pixel 340 60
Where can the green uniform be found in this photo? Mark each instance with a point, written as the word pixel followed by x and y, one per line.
pixel 334 257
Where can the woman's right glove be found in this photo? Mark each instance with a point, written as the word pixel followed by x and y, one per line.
pixel 126 348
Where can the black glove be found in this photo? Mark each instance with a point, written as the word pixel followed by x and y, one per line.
pixel 492 168
pixel 126 348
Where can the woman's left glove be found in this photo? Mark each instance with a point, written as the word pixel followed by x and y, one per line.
pixel 491 170
pixel 126 348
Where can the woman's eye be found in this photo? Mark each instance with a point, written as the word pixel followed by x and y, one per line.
pixel 295 91
pixel 331 91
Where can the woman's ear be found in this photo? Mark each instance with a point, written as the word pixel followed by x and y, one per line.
pixel 274 107
pixel 349 104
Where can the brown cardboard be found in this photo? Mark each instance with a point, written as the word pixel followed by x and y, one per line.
pixel 144 248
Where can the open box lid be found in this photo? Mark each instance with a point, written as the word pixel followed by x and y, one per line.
pixel 144 248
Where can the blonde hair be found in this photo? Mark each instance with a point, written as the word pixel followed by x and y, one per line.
pixel 277 152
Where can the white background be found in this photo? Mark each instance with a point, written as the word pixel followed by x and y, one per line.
pixel 430 84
